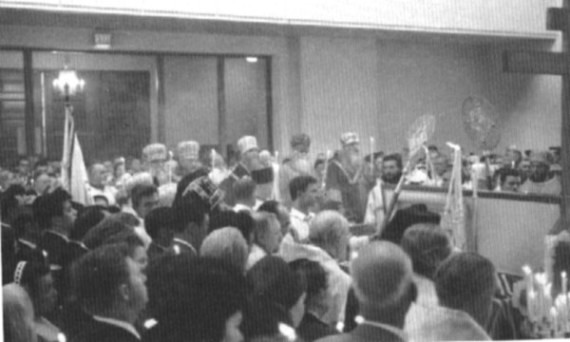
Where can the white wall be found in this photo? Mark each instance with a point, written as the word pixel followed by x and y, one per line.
pixel 325 85
pixel 191 102
pixel 338 88
pixel 379 87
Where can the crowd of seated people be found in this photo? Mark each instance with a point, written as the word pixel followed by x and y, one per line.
pixel 166 252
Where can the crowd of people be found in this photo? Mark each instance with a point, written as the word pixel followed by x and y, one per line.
pixel 180 247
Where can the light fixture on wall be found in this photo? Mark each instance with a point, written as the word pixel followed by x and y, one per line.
pixel 68 83
pixel 251 59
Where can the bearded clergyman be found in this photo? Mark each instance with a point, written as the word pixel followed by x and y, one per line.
pixel 344 176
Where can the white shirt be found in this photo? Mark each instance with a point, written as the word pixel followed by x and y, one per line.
pixel 375 205
pixel 257 253
pixel 28 243
pixel 185 243
pixel 242 207
pixel 444 324
pixel 108 192
pixel 300 223
pixel 121 324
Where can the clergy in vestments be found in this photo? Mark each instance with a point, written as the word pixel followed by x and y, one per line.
pixel 187 153
pixel 155 157
pixel 344 175
pixel 249 165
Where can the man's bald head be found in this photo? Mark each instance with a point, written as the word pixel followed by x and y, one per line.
pixel 382 275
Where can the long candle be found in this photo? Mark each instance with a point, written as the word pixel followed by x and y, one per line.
pixel 325 171
pixel 532 306
pixel 372 147
pixel 553 316
pixel 564 283
pixel 530 294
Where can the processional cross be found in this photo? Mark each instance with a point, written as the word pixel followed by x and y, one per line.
pixel 552 63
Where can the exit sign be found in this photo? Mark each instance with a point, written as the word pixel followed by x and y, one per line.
pixel 102 40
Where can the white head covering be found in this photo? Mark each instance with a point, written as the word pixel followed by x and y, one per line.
pixel 188 149
pixel 154 152
pixel 349 138
pixel 247 143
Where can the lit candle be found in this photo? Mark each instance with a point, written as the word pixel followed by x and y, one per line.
pixel 530 294
pixel 547 298
pixel 170 156
pixel 564 283
pixel 541 283
pixel 213 158
pixel 554 319
pixel 532 306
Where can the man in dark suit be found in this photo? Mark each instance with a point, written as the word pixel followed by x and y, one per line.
pixel 158 224
pixel 383 284
pixel 111 289
pixel 55 215
pixel 190 224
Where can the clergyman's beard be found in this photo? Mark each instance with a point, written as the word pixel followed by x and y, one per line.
pixel 392 179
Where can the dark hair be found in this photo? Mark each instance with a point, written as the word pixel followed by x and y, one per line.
pixel 158 219
pixel 88 218
pixel 318 162
pixel 142 190
pixel 464 278
pixel 427 245
pixel 190 209
pixel 50 205
pixel 506 172
pixel 244 188
pixel 395 157
pixel 272 278
pixel 97 275
pixel 314 275
pixel 9 202
pixel 261 319
pixel 300 184
pixel 22 219
pixel 105 230
pixel 185 181
pixel 193 298
pixel 270 206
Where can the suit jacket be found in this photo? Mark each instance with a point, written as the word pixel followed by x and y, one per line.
pixel 312 328
pixel 183 247
pixel 95 331
pixel 365 333
pixel 27 252
pixel 155 250
pixel 56 247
